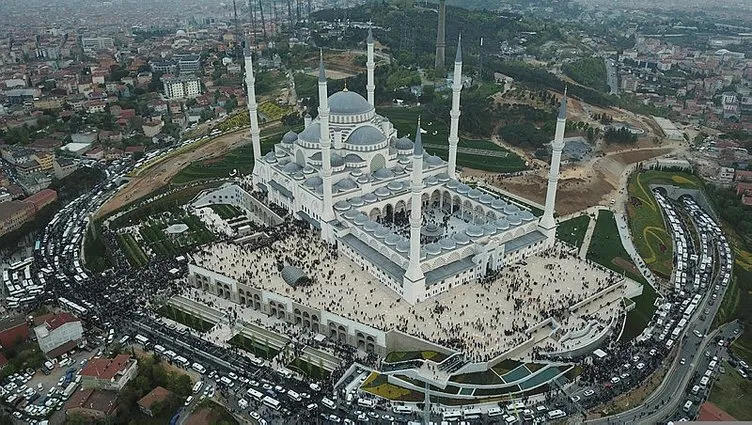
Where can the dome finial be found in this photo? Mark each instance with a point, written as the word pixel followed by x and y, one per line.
pixel 418 146
pixel 345 89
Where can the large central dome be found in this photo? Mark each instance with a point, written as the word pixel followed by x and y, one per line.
pixel 348 103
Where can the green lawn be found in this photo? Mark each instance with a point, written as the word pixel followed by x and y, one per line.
pixel 226 211
pixel 487 377
pixel 606 249
pixel 733 394
pixel 379 385
pixel 254 347
pixel 735 305
pixel 652 240
pixel 239 159
pixel 436 139
pixel 171 202
pixel 185 318
pixel 572 231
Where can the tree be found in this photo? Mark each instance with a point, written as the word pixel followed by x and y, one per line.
pixel 523 134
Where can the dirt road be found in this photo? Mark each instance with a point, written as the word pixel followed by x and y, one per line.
pixel 161 174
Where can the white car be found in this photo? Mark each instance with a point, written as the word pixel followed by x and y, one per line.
pixel 683 360
pixel 588 393
pixel 640 366
pixel 615 380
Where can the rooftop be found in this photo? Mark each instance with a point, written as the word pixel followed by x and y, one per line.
pixel 106 369
pixel 102 401
pixel 157 394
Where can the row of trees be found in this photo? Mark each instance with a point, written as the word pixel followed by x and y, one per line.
pixel 621 135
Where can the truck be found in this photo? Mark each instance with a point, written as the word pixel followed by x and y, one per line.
pixel 70 389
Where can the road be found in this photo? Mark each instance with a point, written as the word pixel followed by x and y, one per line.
pixel 611 76
pixel 663 402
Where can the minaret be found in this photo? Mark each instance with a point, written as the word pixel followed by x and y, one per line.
pixel 547 222
pixel 414 282
pixel 327 213
pixel 454 114
pixel 250 81
pixel 370 66
pixel 440 40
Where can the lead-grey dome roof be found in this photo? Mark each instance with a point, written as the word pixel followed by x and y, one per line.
pixel 312 134
pixel 348 103
pixel 290 137
pixel 404 144
pixel 366 135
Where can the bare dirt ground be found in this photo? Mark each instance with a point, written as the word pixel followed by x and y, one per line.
pixel 581 186
pixel 161 174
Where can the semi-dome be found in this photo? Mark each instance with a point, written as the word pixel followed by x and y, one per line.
pixel 336 160
pixel 498 204
pixel 527 216
pixel 443 177
pixel 291 167
pixel 448 243
pixel 474 231
pixel 511 209
pixel 431 180
pixel 290 137
pixel 370 197
pixel 485 199
pixel 361 219
pixel 312 133
pixel 352 158
pixel 404 144
pixel 403 246
pixel 434 161
pixel 392 239
pixel 462 239
pixel 370 226
pixel 501 224
pixel 348 103
pixel 366 135
pixel 514 219
pixel 356 202
pixel 350 214
pixel 474 193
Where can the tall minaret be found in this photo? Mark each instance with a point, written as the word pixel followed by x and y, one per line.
pixel 370 66
pixel 454 114
pixel 547 222
pixel 250 81
pixel 327 214
pixel 414 282
pixel 440 40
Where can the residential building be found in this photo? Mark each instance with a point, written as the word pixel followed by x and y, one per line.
pixel 90 44
pixel 743 176
pixel 726 175
pixel 165 67
pixel 63 167
pixel 109 374
pixel 181 87
pixel 152 127
pixel 13 331
pixel 189 64
pixel 147 402
pixel 58 332
pixel 41 199
pixel 44 159
pixel 13 214
pixel 92 404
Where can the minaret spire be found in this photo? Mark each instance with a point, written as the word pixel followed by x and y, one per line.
pixel 370 66
pixel 327 213
pixel 250 82
pixel 414 282
pixel 547 222
pixel 454 114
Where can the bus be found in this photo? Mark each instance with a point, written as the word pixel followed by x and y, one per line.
pixel 159 349
pixel 182 361
pixel 328 403
pixel 144 341
pixel 513 407
pixel 71 306
pixel 495 411
pixel 471 413
pixel 365 402
pixel 556 414
pixel 402 410
pixel 270 402
pixel 294 395
pixel 451 415
pixel 253 393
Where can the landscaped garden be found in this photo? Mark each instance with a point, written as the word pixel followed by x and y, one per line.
pixel 379 385
pixel 226 211
pixel 607 250
pixel 185 318
pixel 257 348
pixel 479 154
pixel 573 231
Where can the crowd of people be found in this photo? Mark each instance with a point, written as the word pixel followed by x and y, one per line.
pixel 483 320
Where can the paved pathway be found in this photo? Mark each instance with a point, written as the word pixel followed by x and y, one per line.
pixel 593 211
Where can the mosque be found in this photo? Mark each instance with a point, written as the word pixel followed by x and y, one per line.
pixel 401 214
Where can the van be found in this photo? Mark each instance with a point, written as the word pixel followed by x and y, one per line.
pixel 328 403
